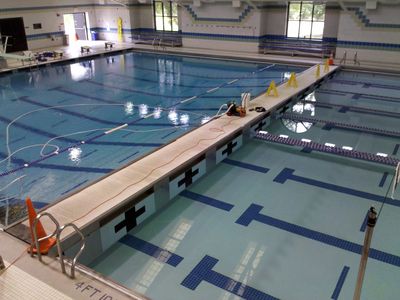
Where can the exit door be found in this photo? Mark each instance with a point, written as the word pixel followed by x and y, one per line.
pixel 76 26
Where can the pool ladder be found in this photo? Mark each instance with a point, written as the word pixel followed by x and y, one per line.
pixel 57 234
pixel 356 61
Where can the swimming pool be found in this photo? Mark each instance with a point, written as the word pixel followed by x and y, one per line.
pixel 280 222
pixel 53 120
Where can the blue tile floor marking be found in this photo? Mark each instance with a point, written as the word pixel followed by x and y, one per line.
pixel 339 285
pixel 287 174
pixel 253 214
pixel 383 180
pixel 203 272
pixel 74 187
pixel 129 156
pixel 396 149
pixel 150 249
pixel 364 223
pixel 207 200
pixel 245 165
pixel 168 134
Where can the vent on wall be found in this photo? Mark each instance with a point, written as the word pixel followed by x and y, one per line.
pixel 37 26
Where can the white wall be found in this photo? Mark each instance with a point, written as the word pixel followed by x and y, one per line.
pixel 249 26
pixel 352 29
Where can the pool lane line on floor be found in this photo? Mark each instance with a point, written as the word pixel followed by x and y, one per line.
pixel 150 249
pixel 287 174
pixel 203 271
pixel 340 282
pixel 252 213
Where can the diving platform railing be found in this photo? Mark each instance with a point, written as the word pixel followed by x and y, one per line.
pixel 284 140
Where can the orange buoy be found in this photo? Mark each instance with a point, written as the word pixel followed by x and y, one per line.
pixel 45 245
pixel 330 59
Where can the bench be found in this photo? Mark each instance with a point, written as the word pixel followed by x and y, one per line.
pixel 109 45
pixel 294 47
pixel 85 49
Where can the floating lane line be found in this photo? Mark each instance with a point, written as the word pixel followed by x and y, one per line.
pixel 188 99
pixel 116 128
pixel 213 89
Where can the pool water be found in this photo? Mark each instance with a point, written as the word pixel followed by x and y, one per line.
pixel 53 120
pixel 279 222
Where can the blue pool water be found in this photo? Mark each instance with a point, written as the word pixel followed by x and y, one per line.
pixel 52 120
pixel 280 222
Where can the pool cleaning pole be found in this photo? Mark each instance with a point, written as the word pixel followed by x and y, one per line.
pixel 365 250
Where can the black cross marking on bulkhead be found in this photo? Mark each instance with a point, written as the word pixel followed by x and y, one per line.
pixel 260 125
pixel 229 148
pixel 131 216
pixel 188 179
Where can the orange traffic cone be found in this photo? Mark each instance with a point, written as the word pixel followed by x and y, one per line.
pixel 330 59
pixel 45 245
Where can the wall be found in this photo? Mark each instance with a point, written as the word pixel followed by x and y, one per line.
pixel 220 26
pixel 49 13
pixel 373 34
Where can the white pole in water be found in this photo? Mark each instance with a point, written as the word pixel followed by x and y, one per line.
pixel 365 251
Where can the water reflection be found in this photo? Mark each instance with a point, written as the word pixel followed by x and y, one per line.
pixel 74 154
pixel 129 108
pixel 306 107
pixel 143 110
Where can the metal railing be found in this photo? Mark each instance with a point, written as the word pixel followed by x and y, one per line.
pixel 57 234
pixel 60 252
pixel 2 265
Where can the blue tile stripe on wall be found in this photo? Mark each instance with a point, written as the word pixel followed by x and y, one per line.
pixel 253 214
pixel 367 23
pixel 207 200
pixel 203 272
pixel 150 249
pixel 287 174
pixel 339 285
pixel 241 17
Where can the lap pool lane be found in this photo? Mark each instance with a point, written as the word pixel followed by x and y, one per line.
pixel 244 231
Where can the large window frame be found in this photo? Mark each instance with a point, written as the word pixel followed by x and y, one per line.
pixel 165 15
pixel 306 24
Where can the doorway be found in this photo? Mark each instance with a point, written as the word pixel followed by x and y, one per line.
pixel 75 26
pixel 15 30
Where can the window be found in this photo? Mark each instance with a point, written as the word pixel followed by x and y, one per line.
pixel 305 20
pixel 166 16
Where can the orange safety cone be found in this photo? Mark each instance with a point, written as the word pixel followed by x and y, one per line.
pixel 45 245
pixel 330 59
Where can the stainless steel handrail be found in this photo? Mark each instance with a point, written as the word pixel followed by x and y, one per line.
pixel 356 61
pixel 344 58
pixel 2 265
pixel 60 252
pixel 35 238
